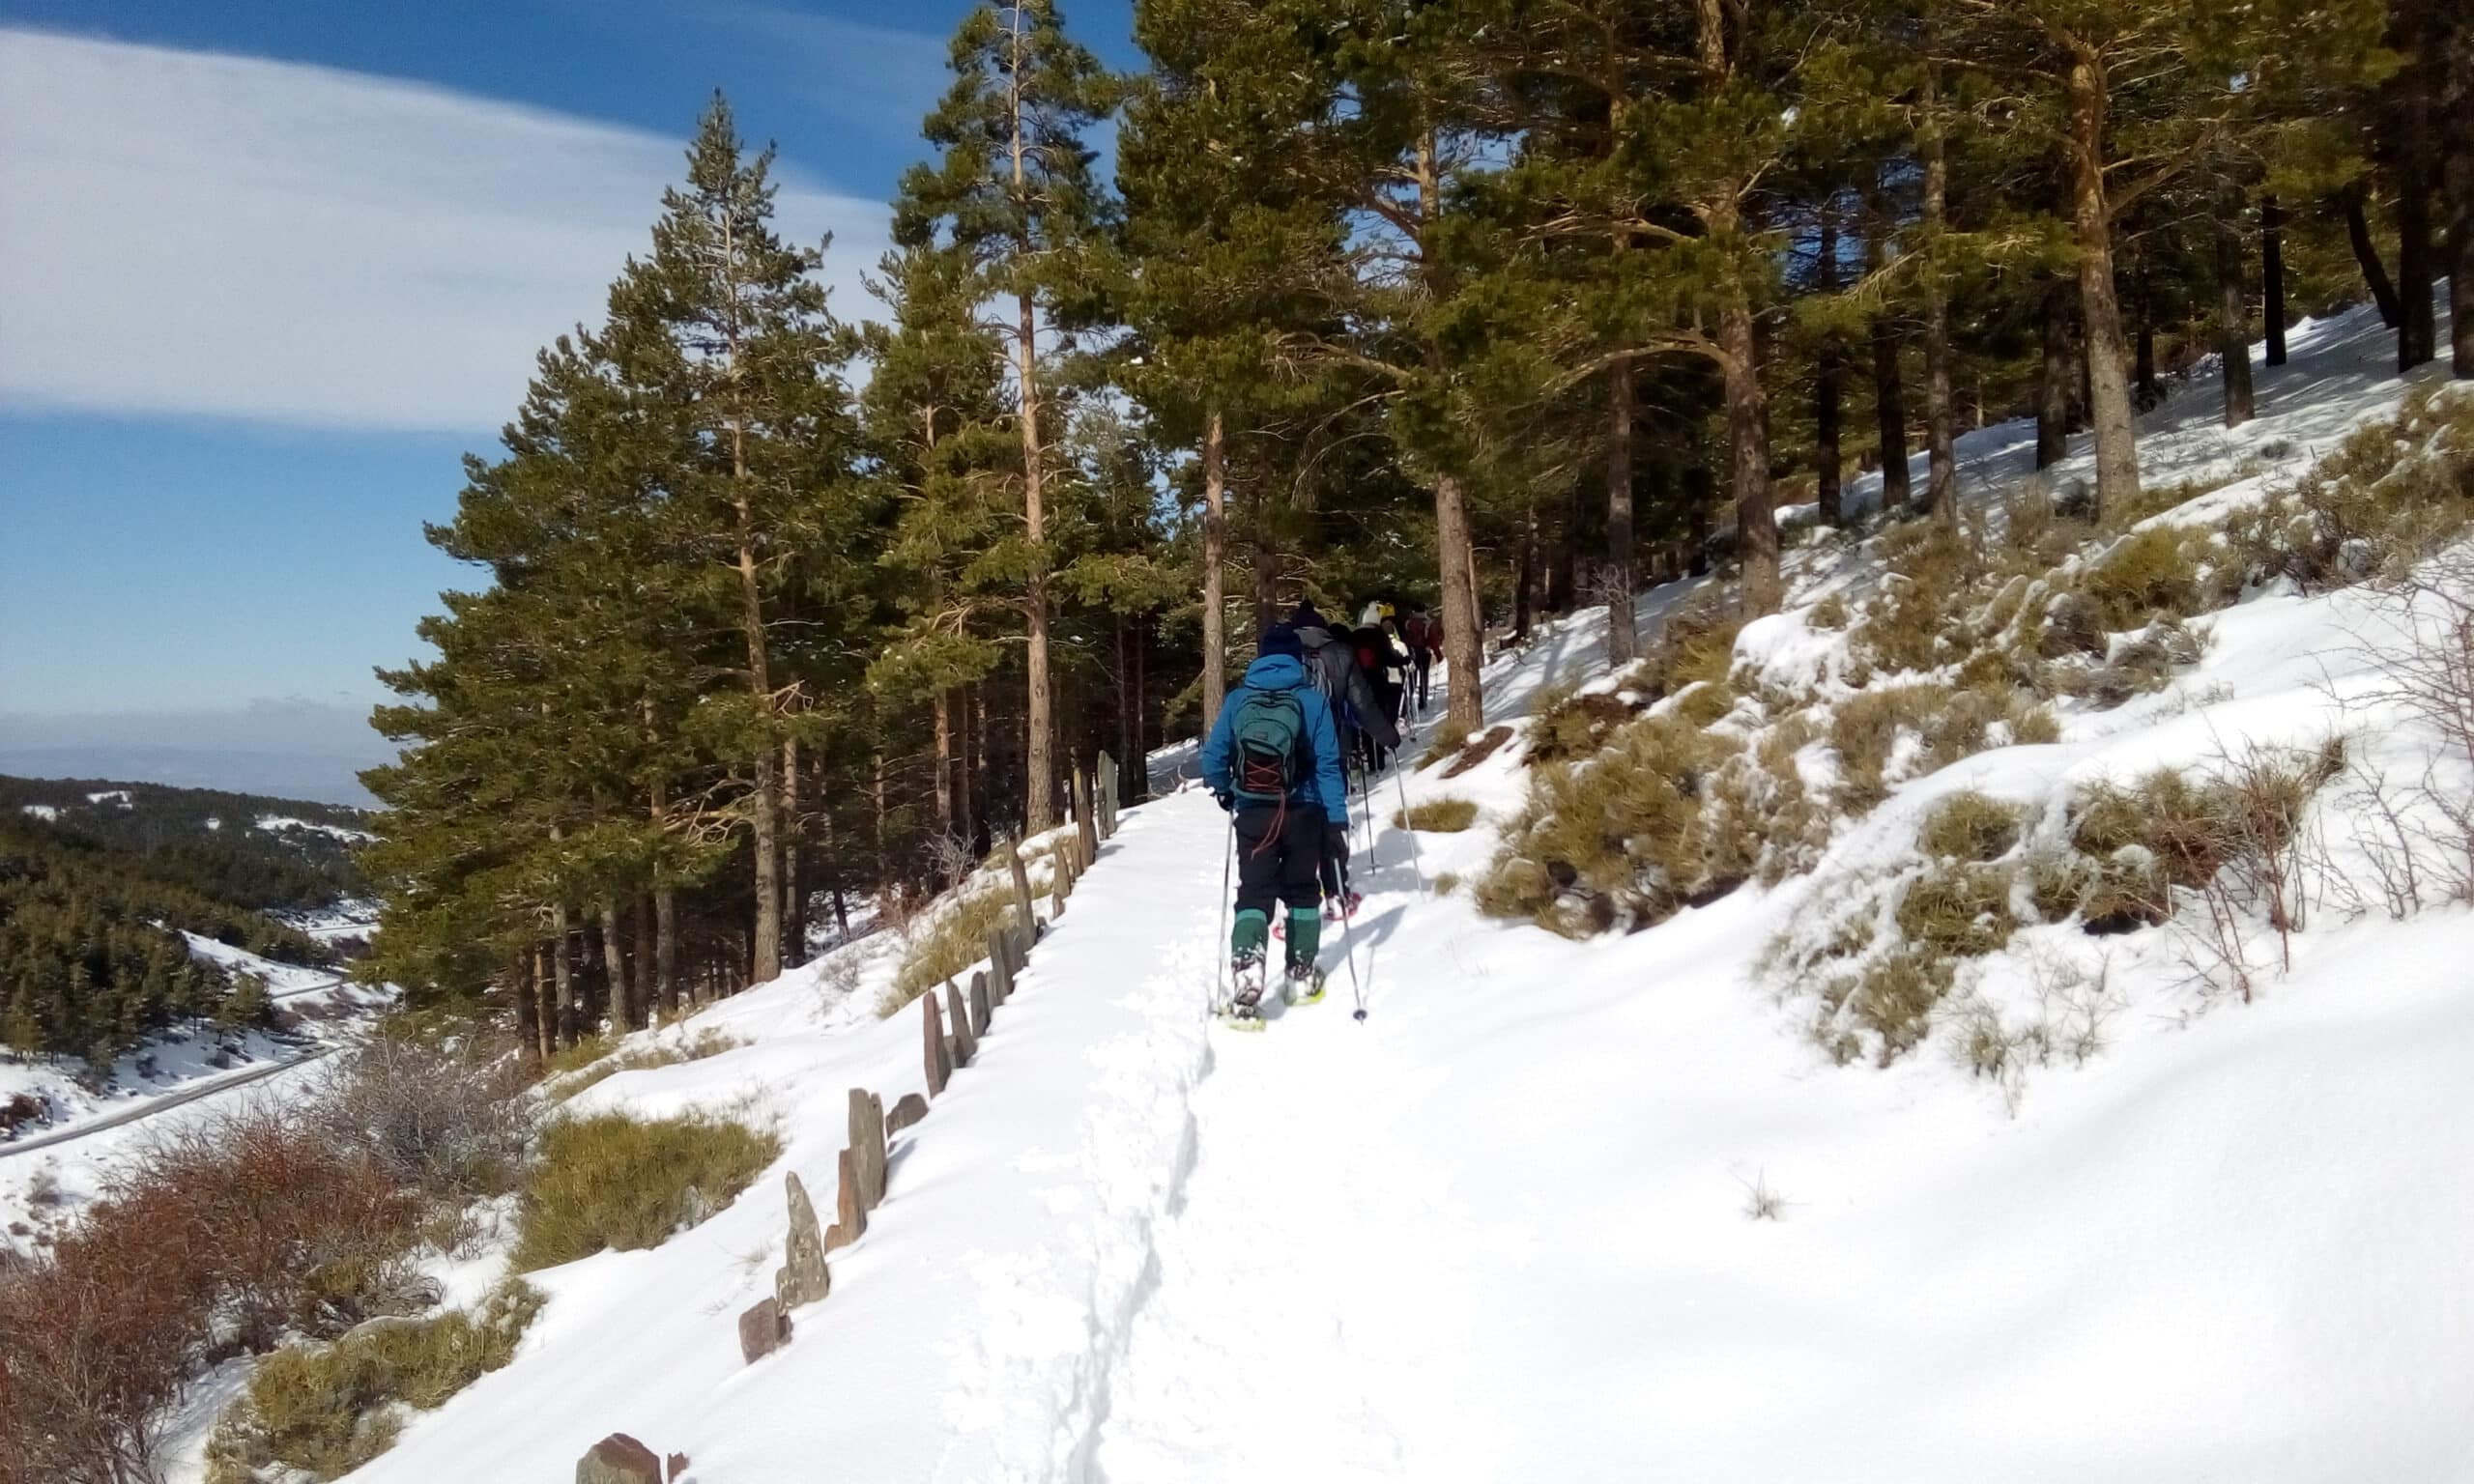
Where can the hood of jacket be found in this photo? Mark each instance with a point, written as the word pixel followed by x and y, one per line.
pixel 1275 672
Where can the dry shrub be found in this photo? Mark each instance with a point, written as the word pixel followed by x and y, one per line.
pixel 448 1120
pixel 620 1183
pixel 1696 643
pixel 1564 724
pixel 228 1231
pixel 97 1338
pixel 1703 701
pixel 315 1235
pixel 1957 911
pixel 2392 493
pixel 1906 624
pixel 1621 838
pixel 1865 729
pixel 327 1410
pixel 2147 574
pixel 235 1230
pixel 948 942
pixel 1438 816
pixel 1893 997
pixel 1971 826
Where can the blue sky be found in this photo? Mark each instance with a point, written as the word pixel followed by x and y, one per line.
pixel 294 259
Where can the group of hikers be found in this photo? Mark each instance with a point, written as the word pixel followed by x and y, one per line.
pixel 1321 701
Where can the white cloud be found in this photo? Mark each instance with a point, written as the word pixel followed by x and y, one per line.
pixel 198 234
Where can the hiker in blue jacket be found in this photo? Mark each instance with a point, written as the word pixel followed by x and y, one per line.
pixel 1273 760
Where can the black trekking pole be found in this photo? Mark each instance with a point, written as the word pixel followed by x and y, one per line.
pixel 1220 943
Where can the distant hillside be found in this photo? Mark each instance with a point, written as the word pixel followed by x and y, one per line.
pixel 98 879
pixel 244 850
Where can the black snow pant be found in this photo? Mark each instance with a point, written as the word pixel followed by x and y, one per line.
pixel 1279 851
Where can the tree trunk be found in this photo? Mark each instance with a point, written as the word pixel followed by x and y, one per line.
pixel 2272 276
pixel 978 807
pixel 2232 310
pixel 545 1010
pixel 1830 385
pixel 1564 574
pixel 1136 771
pixel 1623 636
pixel 795 915
pixel 614 959
pixel 1748 455
pixel 1125 694
pixel 1461 643
pixel 647 993
pixel 1525 571
pixel 877 837
pixel 1039 796
pixel 666 947
pixel 1266 556
pixel 563 975
pixel 2060 369
pixel 2109 405
pixel 2417 166
pixel 945 766
pixel 2146 391
pixel 1889 401
pixel 1214 563
pixel 1941 416
pixel 2374 273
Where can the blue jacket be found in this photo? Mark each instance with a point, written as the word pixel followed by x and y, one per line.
pixel 1326 789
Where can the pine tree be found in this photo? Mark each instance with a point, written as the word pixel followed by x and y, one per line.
pixel 727 323
pixel 1013 188
pixel 1225 253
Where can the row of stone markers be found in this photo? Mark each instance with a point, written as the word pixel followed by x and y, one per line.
pixel 951 1033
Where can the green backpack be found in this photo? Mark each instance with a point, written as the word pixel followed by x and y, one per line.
pixel 1267 745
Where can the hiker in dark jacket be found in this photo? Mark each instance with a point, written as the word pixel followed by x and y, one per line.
pixel 1376 657
pixel 1273 760
pixel 1424 637
pixel 1359 717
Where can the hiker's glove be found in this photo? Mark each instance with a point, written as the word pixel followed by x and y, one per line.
pixel 1228 800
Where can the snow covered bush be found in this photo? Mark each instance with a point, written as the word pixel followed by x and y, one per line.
pixel 326 1410
pixel 614 1182
pixel 2395 492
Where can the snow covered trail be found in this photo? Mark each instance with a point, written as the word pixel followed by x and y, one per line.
pixel 1305 1273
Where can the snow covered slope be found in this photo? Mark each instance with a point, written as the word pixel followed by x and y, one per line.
pixel 1512 1226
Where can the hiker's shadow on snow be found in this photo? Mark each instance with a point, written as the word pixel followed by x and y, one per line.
pixel 1378 930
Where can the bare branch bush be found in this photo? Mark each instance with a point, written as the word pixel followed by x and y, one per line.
pixel 449 1122
pixel 233 1232
pixel 2255 850
pixel 949 857
pixel 2427 662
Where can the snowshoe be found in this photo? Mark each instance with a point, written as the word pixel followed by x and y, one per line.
pixel 1305 986
pixel 1243 1011
pixel 1343 905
